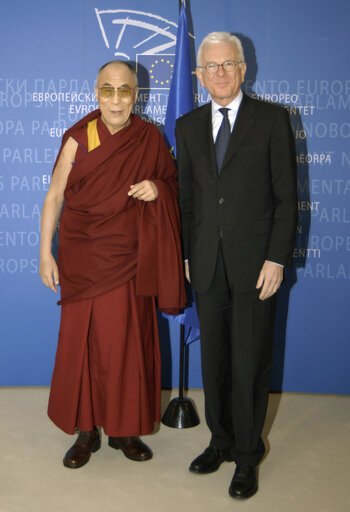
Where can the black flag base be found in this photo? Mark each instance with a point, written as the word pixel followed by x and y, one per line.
pixel 180 413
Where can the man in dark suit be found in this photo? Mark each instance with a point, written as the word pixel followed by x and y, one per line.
pixel 237 184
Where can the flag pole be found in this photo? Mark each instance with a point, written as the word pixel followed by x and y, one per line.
pixel 182 329
pixel 182 359
pixel 180 412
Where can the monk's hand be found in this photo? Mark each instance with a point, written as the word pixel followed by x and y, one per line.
pixel 270 279
pixel 146 190
pixel 48 271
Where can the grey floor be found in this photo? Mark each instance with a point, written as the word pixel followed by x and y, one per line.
pixel 306 469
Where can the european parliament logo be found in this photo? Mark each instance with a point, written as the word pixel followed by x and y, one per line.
pixel 123 29
pixel 126 32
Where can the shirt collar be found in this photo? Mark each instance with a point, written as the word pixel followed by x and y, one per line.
pixel 234 105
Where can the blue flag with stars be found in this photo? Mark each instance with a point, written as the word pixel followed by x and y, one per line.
pixel 180 102
pixel 180 99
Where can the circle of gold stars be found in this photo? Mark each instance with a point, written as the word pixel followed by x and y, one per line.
pixel 164 63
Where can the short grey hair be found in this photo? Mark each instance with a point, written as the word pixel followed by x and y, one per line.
pixel 220 37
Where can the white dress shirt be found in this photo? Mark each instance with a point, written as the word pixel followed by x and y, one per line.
pixel 216 116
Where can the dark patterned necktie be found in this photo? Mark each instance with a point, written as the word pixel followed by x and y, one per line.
pixel 222 139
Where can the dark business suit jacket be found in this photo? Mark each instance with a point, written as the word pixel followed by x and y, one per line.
pixel 252 203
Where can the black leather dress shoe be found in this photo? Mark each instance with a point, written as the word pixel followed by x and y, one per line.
pixel 132 447
pixel 244 482
pixel 84 446
pixel 208 461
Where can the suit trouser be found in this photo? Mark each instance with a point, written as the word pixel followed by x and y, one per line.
pixel 236 351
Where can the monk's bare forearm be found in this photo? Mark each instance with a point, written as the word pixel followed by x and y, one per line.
pixel 49 218
pixel 48 269
pixel 51 211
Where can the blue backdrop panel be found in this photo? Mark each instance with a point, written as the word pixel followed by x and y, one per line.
pixel 297 55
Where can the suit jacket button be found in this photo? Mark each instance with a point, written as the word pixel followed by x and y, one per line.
pixel 221 200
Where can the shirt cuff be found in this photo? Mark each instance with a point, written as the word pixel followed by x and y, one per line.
pixel 279 264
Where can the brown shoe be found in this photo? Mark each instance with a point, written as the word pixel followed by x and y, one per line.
pixel 84 446
pixel 132 447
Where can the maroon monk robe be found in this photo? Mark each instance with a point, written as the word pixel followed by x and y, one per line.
pixel 115 255
pixel 105 235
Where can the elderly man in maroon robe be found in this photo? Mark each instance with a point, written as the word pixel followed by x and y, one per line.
pixel 119 252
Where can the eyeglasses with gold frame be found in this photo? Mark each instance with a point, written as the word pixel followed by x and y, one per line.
pixel 108 91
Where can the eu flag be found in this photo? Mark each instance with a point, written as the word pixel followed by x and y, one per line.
pixel 180 99
pixel 180 102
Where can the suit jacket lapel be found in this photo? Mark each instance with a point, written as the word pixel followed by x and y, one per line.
pixel 205 136
pixel 244 122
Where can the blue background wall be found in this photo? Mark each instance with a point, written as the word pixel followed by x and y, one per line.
pixel 297 55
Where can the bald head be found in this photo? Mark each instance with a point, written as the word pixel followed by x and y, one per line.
pixel 115 65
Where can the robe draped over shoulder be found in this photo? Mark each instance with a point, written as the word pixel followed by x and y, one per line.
pixel 106 237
